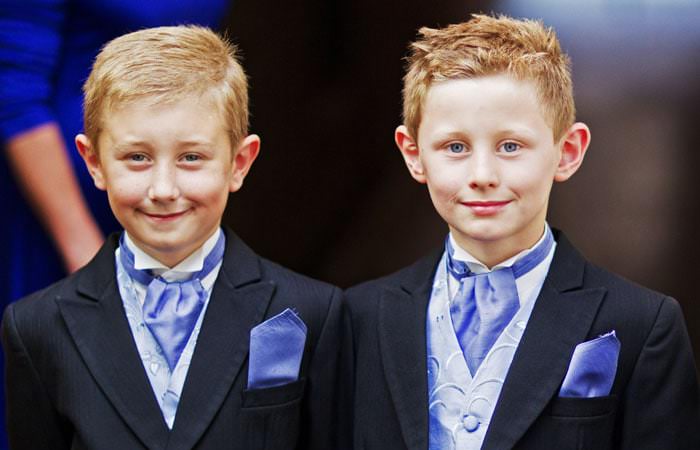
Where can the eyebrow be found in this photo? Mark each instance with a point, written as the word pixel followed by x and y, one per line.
pixel 524 132
pixel 195 143
pixel 123 147
pixel 447 134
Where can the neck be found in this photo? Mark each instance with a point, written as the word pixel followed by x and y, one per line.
pixel 171 256
pixel 170 260
pixel 490 253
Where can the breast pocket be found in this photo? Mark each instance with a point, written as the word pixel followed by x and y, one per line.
pixel 584 423
pixel 271 416
pixel 582 407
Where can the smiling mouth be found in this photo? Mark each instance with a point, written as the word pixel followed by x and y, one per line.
pixel 165 217
pixel 486 208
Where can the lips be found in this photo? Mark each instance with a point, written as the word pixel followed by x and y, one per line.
pixel 486 207
pixel 165 216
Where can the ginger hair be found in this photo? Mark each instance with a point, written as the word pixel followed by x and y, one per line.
pixel 486 45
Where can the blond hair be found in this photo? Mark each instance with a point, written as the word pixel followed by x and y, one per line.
pixel 166 64
pixel 487 45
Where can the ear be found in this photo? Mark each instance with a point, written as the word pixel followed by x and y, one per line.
pixel 92 160
pixel 573 148
pixel 243 158
pixel 411 155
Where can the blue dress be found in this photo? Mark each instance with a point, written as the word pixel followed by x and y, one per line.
pixel 46 51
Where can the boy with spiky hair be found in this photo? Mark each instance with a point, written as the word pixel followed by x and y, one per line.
pixel 176 335
pixel 506 337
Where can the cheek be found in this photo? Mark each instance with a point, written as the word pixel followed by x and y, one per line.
pixel 212 188
pixel 129 190
pixel 532 187
pixel 444 194
pixel 533 177
pixel 446 183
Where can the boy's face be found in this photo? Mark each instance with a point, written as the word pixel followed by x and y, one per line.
pixel 168 170
pixel 489 159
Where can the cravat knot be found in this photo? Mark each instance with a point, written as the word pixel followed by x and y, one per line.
pixel 486 303
pixel 170 311
pixel 481 309
pixel 171 308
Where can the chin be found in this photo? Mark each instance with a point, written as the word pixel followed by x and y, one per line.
pixel 486 232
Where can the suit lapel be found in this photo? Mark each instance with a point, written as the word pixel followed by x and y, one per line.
pixel 402 316
pixel 97 323
pixel 561 319
pixel 238 303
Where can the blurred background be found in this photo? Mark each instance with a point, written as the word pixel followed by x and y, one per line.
pixel 329 195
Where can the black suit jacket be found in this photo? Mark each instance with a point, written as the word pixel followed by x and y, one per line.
pixel 654 403
pixel 75 379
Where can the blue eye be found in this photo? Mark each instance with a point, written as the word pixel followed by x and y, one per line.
pixel 456 147
pixel 192 157
pixel 137 157
pixel 510 147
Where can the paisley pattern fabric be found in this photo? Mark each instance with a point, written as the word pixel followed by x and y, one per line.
pixel 461 406
pixel 167 385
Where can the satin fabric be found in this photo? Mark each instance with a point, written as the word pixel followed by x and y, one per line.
pixel 171 309
pixel 485 303
pixel 276 348
pixel 592 368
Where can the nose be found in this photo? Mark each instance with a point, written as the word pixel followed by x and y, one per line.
pixel 483 170
pixel 163 184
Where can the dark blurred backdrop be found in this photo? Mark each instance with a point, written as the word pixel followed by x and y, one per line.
pixel 330 197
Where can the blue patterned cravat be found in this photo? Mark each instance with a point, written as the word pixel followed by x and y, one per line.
pixel 171 309
pixel 485 303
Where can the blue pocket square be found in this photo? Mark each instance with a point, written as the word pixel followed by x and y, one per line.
pixel 276 349
pixel 592 368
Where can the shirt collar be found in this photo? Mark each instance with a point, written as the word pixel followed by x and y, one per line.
pixel 477 266
pixel 193 263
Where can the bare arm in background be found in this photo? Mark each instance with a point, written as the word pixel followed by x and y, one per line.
pixel 43 170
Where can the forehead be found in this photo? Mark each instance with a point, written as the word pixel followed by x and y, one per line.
pixel 490 101
pixel 191 118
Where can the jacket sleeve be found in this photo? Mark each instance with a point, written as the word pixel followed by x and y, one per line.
pixel 321 414
pixel 32 422
pixel 661 409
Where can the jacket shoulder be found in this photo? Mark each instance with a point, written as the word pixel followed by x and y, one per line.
pixel 34 319
pixel 407 279
pixel 243 265
pixel 636 313
pixel 293 282
pixel 43 301
pixel 373 286
pixel 624 299
pixel 624 293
